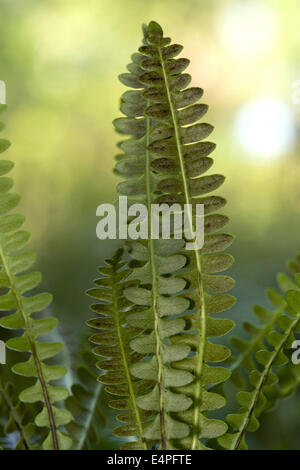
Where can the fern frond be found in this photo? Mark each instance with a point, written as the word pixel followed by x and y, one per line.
pixel 113 345
pixel 244 363
pixel 248 348
pixel 15 284
pixel 155 260
pixel 14 414
pixel 85 406
pixel 265 350
pixel 163 162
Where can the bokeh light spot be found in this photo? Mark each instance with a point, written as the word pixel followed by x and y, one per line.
pixel 249 29
pixel 265 129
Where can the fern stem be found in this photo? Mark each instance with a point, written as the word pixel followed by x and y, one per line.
pixel 202 319
pixel 125 361
pixel 33 349
pixel 236 442
pixel 15 417
pixel 154 295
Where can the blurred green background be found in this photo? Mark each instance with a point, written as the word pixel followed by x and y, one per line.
pixel 60 60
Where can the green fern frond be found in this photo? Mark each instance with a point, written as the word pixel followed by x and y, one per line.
pixel 15 284
pixel 85 406
pixel 14 415
pixel 157 259
pixel 267 349
pixel 113 345
pixel 163 162
pixel 244 363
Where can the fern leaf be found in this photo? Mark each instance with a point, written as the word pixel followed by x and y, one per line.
pixel 112 342
pixel 13 415
pixel 160 166
pixel 157 258
pixel 258 361
pixel 244 363
pixel 15 283
pixel 85 406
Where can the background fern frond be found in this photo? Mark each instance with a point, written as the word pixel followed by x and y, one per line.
pixel 244 362
pixel 17 429
pixel 266 360
pixel 15 286
pixel 85 405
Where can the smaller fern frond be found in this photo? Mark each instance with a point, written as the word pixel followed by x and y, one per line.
pixel 265 358
pixel 13 416
pixel 15 421
pixel 85 406
pixel 247 348
pixel 20 308
pixel 244 362
pixel 112 344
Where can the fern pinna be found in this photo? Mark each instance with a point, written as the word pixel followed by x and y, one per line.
pixel 14 285
pixel 265 359
pixel 177 295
